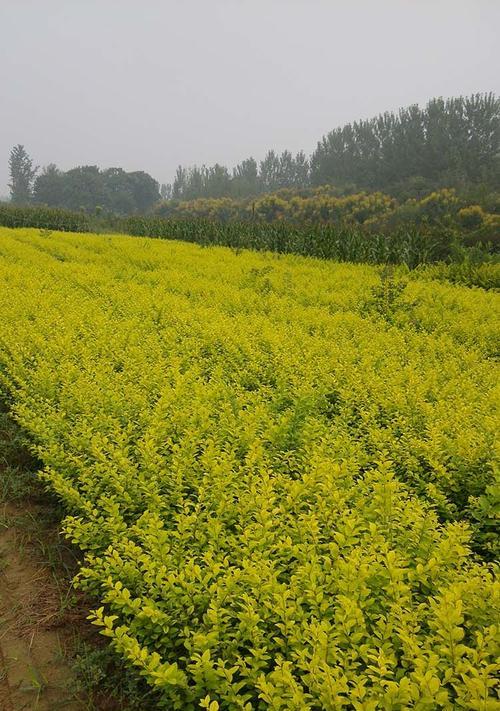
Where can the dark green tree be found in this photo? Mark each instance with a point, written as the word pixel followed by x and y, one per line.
pixel 180 183
pixel 89 187
pixel 48 186
pixel 270 171
pixel 453 142
pixel 245 181
pixel 117 191
pixel 83 187
pixel 196 183
pixel 22 175
pixel 144 189
pixel 301 170
pixel 218 181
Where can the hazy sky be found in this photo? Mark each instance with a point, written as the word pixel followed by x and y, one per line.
pixel 149 84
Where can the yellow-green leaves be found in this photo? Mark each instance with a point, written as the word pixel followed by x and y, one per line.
pixel 276 489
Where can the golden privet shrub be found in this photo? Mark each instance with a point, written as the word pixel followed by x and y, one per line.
pixel 276 472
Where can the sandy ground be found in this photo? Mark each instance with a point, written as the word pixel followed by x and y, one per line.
pixel 34 628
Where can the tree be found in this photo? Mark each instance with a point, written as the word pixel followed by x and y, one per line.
pixel 180 183
pixel 196 183
pixel 144 189
pixel 301 170
pixel 245 179
pixel 83 186
pixel 166 191
pixel 449 142
pixel 270 171
pixel 89 187
pixel 218 181
pixel 48 185
pixel 22 175
pixel 117 191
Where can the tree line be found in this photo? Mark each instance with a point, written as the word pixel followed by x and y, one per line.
pixel 82 188
pixel 448 143
pixel 451 142
pixel 276 171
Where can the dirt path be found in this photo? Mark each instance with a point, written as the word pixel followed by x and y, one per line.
pixel 35 624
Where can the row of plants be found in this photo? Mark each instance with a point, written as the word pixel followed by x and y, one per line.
pixel 51 218
pixel 281 471
pixel 341 242
pixel 323 240
pixel 435 212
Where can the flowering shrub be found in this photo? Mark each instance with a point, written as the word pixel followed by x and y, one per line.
pixel 471 217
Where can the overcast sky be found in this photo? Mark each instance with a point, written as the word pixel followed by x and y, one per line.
pixel 149 84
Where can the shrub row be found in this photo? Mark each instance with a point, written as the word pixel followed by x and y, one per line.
pixel 276 467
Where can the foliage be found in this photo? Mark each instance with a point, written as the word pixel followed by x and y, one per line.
pixel 414 151
pixel 50 218
pixel 468 272
pixel 387 298
pixel 471 217
pixel 324 240
pixel 276 488
pixel 22 174
pixel 105 682
pixel 370 228
pixel 453 141
pixel 88 187
pixel 274 172
pixel 437 212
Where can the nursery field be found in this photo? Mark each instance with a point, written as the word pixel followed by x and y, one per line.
pixel 282 471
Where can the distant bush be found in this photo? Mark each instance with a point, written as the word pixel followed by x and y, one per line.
pixel 471 217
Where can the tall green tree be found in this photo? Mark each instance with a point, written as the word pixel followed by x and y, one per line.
pixel 218 181
pixel 48 186
pixel 245 179
pixel 180 183
pixel 144 189
pixel 22 175
pixel 166 191
pixel 270 171
pixel 449 142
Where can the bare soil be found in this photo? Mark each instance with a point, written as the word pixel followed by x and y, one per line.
pixel 36 624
